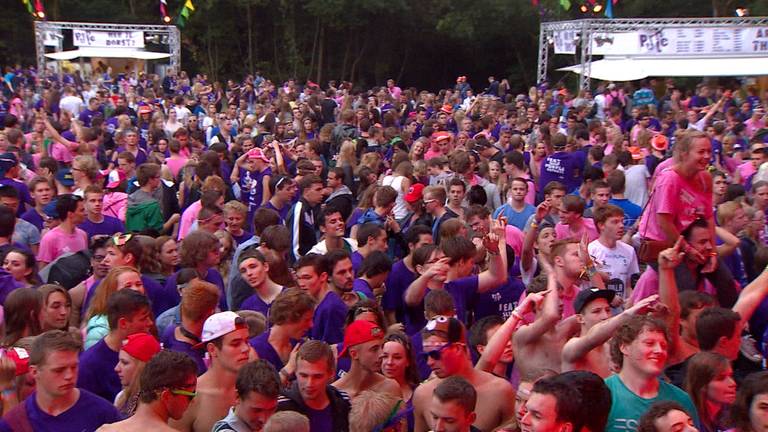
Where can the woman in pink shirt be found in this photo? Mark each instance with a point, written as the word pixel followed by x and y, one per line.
pixel 175 162
pixel 682 194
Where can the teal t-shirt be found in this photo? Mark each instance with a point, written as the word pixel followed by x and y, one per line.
pixel 627 407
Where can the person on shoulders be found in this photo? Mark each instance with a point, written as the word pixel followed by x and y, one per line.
pixel 258 387
pixel 326 407
pixel 167 388
pixel 225 339
pixel 57 404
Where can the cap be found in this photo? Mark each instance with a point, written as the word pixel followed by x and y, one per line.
pixel 64 176
pixel 611 86
pixel 145 109
pixel 415 193
pixel 585 297
pixel 256 153
pixel 218 325
pixel 446 109
pixel 637 154
pixel 20 357
pixel 50 210
pixel 115 178
pixel 659 142
pixel 448 327
pixel 358 332
pixel 440 136
pixel 141 346
pixel 8 160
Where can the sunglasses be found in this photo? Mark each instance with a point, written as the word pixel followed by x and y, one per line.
pixel 121 239
pixel 436 354
pixel 179 392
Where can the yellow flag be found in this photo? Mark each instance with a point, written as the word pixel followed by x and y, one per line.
pixel 189 5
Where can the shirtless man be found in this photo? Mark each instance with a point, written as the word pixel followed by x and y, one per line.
pixel 589 351
pixel 225 337
pixel 539 344
pixel 445 346
pixel 167 387
pixel 363 341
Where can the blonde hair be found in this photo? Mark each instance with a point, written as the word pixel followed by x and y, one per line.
pixel 88 165
pixel 370 409
pixel 107 286
pixel 287 421
pixel 125 397
pixel 347 154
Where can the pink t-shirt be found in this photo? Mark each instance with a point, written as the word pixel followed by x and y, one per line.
pixel 648 285
pixel 175 165
pixel 745 170
pixel 563 231
pixel 515 239
pixel 685 199
pixel 56 242
pixel 188 218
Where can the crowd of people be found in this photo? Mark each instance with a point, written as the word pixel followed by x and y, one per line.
pixel 186 255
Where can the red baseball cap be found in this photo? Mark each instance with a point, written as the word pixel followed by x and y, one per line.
pixel 415 193
pixel 20 357
pixel 141 346
pixel 358 332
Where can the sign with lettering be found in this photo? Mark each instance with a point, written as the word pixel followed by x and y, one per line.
pixel 108 39
pixel 684 41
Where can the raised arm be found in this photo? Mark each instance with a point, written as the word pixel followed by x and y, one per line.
pixel 669 259
pixel 751 296
pixel 546 319
pixel 417 290
pixel 526 258
pixel 495 346
pixel 496 245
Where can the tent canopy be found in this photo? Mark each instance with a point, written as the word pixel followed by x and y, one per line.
pixel 630 69
pixel 107 53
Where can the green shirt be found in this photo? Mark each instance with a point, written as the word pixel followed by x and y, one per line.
pixel 627 407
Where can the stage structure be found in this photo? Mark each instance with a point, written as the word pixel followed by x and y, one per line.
pixel 637 48
pixel 109 41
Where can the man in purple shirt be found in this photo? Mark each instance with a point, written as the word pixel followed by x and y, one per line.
pixel 331 312
pixel 56 404
pixel 96 223
pixel 563 166
pixel 128 312
pixel 373 272
pixel 9 171
pixel 87 115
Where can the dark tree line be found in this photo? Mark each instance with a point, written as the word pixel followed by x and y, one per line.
pixel 425 43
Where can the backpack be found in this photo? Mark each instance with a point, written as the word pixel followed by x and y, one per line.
pixel 68 270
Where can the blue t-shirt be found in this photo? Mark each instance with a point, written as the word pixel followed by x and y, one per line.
pixel 361 286
pixel 399 279
pixel 110 225
pixel 328 320
pixel 632 211
pixel 89 413
pixel 564 167
pixel 513 217
pixel 169 342
pixel 97 371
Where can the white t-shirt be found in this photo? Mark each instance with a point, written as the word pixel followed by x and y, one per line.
pixel 636 187
pixel 73 104
pixel 620 263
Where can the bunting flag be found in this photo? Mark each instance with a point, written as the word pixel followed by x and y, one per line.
pixel 185 12
pixel 30 7
pixel 609 8
pixel 566 4
pixel 164 10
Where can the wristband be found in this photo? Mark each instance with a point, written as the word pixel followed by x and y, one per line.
pixel 517 315
pixel 534 225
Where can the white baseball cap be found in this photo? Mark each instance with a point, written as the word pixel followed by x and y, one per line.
pixel 219 324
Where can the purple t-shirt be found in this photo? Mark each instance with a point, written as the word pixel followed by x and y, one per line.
pixel 421 362
pixel 255 303
pixel 357 260
pixel 564 167
pixel 398 281
pixel 361 286
pixel 246 235
pixel 252 187
pixel 501 301
pixel 141 154
pixel 266 351
pixel 213 276
pixel 343 364
pixel 463 292
pixel 169 342
pixel 33 217
pixel 89 413
pixel 87 115
pixel 108 226
pixel 283 212
pixel 320 420
pixel 24 196
pixel 97 371
pixel 328 320
pixel 160 297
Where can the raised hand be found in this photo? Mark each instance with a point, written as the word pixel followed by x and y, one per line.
pixel 672 257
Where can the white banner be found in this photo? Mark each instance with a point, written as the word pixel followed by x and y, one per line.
pixel 565 41
pixel 52 38
pixel 684 41
pixel 105 39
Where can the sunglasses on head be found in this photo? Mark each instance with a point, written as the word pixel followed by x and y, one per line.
pixel 121 239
